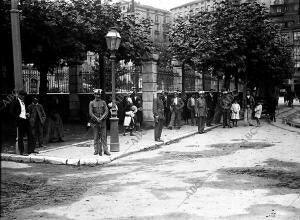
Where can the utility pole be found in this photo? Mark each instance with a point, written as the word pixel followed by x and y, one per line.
pixel 136 70
pixel 16 43
pixel 132 6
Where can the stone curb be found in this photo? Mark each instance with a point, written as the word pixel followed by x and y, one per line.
pixel 290 122
pixel 93 161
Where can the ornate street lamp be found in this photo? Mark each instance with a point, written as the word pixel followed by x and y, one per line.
pixel 113 40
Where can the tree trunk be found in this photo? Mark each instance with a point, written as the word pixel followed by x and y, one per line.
pixel 102 78
pixel 227 81
pixel 183 76
pixel 245 89
pixel 236 83
pixel 43 89
pixel 203 80
pixel 43 81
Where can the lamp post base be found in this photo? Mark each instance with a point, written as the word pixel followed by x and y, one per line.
pixel 114 135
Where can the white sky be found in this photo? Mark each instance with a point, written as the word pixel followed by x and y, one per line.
pixel 163 4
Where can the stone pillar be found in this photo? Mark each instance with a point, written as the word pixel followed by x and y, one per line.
pixel 149 76
pixel 177 70
pixel 74 89
pixel 198 81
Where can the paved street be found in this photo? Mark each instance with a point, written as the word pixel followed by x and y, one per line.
pixel 238 173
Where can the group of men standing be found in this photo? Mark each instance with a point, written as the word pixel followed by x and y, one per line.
pixel 204 109
pixel 29 121
pixel 169 112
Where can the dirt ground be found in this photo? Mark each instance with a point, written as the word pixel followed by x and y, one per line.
pixel 217 175
pixel 35 185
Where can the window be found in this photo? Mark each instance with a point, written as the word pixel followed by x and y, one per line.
pixel 124 8
pixel 156 18
pixel 297 56
pixel 297 36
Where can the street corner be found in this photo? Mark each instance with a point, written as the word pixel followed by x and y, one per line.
pixel 73 162
pixel 15 157
pixel 56 160
pixel 92 161
pixel 37 159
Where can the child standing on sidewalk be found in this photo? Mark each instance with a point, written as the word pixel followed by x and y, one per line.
pixel 258 111
pixel 235 112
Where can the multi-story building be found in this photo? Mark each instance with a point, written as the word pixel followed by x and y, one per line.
pixel 161 19
pixel 191 7
pixel 203 5
pixel 286 13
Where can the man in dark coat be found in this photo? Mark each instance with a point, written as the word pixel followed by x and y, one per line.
pixel 210 101
pixel 227 100
pixel 201 112
pixel 137 102
pixel 249 106
pixel 159 117
pixel 37 118
pixel 19 112
pixel 167 112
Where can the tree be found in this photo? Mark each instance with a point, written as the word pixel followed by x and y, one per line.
pixel 237 39
pixel 53 32
pixel 181 43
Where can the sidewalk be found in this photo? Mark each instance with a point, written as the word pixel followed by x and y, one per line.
pixel 78 152
pixel 289 117
pixel 82 153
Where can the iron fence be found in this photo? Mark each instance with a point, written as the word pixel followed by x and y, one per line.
pixel 57 80
pixel 128 77
pixel 87 81
pixel 165 79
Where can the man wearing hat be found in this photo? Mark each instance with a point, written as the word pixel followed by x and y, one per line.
pixel 227 100
pixel 176 108
pixel 19 111
pixel 37 118
pixel 210 101
pixel 137 102
pixel 158 114
pixel 98 112
pixel 201 112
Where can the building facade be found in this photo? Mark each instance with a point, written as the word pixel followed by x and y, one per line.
pixel 161 19
pixel 191 7
pixel 286 13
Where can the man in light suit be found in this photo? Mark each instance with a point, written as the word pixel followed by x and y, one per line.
pixel 201 112
pixel 176 109
pixel 37 118
pixel 158 114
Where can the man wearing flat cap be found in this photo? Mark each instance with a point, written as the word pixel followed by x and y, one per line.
pixel 98 112
pixel 201 112
pixel 158 114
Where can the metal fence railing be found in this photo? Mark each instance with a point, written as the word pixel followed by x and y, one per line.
pixel 57 80
pixel 165 79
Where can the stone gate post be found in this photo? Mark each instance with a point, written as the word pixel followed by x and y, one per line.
pixel 74 88
pixel 177 69
pixel 149 76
